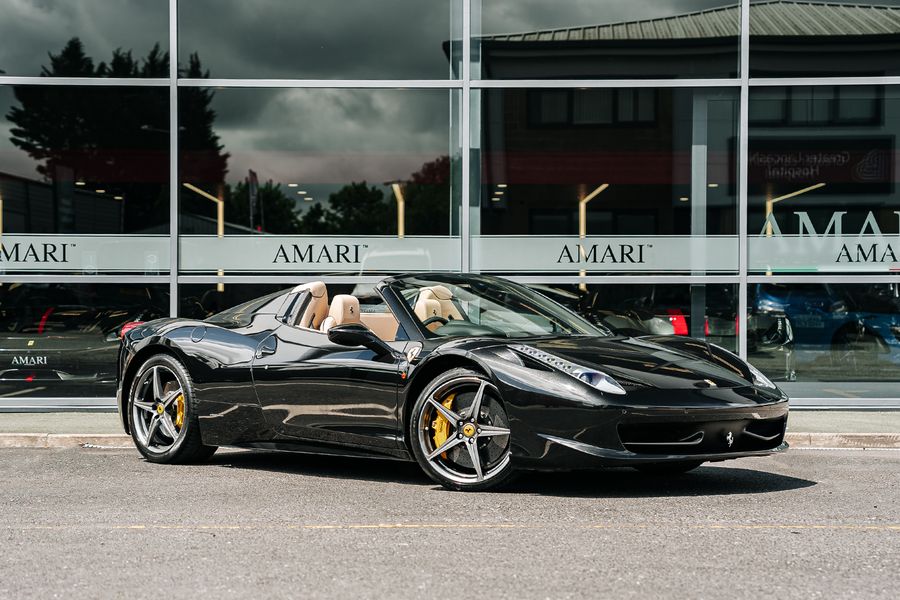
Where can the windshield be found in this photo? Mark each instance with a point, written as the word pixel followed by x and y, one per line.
pixel 486 306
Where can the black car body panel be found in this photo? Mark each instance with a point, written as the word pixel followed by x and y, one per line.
pixel 261 382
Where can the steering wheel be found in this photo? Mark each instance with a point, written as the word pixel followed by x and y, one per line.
pixel 435 319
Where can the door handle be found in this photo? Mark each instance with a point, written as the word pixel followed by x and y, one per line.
pixel 267 347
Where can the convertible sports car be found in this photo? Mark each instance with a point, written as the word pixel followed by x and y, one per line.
pixel 473 377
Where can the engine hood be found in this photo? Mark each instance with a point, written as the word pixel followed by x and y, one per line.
pixel 658 362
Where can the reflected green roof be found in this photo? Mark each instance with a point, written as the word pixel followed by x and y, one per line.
pixel 772 18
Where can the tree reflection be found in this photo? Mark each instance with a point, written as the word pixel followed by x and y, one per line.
pixel 112 142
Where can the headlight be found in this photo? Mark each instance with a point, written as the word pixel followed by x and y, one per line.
pixel 765 305
pixel 592 377
pixel 759 379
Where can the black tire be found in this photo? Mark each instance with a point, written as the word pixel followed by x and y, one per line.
pixel 497 470
pixel 186 447
pixel 855 350
pixel 668 468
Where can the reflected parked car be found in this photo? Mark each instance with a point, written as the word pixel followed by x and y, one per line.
pixel 57 334
pixel 666 310
pixel 841 330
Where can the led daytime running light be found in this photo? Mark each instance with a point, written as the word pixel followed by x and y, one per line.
pixel 593 378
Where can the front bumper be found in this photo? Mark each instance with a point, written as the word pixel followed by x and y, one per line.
pixel 681 425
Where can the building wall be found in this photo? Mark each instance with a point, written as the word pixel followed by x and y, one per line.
pixel 723 170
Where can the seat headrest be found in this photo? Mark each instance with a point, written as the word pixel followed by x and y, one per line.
pixel 427 308
pixel 440 292
pixel 344 309
pixel 442 295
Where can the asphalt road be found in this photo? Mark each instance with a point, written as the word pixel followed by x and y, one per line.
pixel 93 523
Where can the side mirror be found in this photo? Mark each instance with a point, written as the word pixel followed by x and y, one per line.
pixel 354 334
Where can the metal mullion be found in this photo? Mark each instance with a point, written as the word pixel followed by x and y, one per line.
pixel 604 83
pixel 626 279
pixel 84 81
pixel 325 83
pixel 813 81
pixel 75 278
pixel 743 157
pixel 466 141
pixel 173 158
pixel 278 279
pixel 835 278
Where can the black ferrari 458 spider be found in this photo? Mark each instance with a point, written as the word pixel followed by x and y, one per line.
pixel 473 377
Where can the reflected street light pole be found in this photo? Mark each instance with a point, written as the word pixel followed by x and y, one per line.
pixel 396 186
pixel 582 225
pixel 770 208
pixel 771 202
pixel 220 222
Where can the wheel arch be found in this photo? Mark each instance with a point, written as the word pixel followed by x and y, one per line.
pixel 140 357
pixel 426 373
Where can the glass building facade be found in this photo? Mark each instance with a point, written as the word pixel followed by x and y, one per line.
pixel 711 168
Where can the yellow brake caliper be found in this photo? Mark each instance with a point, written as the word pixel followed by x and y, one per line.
pixel 179 414
pixel 441 426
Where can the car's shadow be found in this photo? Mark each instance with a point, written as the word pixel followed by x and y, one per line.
pixel 708 480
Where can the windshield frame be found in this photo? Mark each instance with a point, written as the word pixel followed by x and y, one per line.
pixel 548 308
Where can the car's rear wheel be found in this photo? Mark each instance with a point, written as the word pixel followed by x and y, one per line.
pixel 459 432
pixel 669 468
pixel 162 413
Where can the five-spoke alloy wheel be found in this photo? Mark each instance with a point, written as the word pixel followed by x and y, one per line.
pixel 460 432
pixel 161 413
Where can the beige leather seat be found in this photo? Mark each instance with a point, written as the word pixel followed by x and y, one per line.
pixel 384 325
pixel 444 298
pixel 344 309
pixel 316 309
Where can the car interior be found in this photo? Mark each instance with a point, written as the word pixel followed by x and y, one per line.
pixel 321 315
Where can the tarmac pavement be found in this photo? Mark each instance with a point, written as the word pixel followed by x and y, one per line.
pixel 92 523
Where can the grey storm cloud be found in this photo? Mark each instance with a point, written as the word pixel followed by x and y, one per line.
pixel 330 135
pixel 346 39
pixel 30 29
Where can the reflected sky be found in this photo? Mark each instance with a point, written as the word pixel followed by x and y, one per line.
pixel 331 136
pixel 351 39
pixel 30 29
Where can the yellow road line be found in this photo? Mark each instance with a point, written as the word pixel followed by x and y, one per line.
pixel 377 526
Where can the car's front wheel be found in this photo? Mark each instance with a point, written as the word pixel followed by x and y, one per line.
pixel 162 413
pixel 459 432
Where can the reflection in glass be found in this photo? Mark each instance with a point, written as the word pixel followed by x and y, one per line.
pixel 706 311
pixel 314 162
pixel 99 38
pixel 824 38
pixel 821 179
pixel 62 340
pixel 310 39
pixel 605 39
pixel 841 332
pixel 202 301
pixel 607 162
pixel 79 159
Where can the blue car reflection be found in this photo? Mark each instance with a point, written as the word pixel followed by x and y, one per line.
pixel 840 331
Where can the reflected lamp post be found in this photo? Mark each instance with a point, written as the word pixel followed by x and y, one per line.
pixel 770 208
pixel 582 225
pixel 220 221
pixel 397 187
